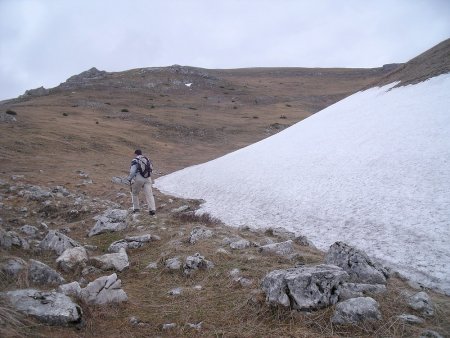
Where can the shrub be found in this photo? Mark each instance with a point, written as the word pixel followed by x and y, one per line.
pixel 124 110
pixel 288 105
pixel 283 117
pixel 65 114
pixel 11 112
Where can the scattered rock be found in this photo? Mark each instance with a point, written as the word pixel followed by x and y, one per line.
pixel 173 263
pixel 240 244
pixel 57 242
pixel 197 326
pixel 196 262
pixel 104 290
pixel 110 221
pixel 114 261
pixel 180 209
pixel 30 230
pixel 222 251
pixel 175 292
pixel 304 288
pixel 410 319
pixel 132 242
pixel 13 267
pixel 355 290
pixel 152 265
pixel 41 274
pixel 169 326
pixel 356 263
pixel 70 289
pixel 35 193
pixel 199 233
pixel 421 302
pixel 72 259
pixel 430 334
pixel 356 310
pixel 90 270
pixel 281 249
pixel 52 308
pixel 8 239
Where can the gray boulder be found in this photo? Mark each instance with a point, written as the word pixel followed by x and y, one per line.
pixel 356 310
pixel 240 244
pixel 196 262
pixel 421 302
pixel 52 308
pixel 357 264
pixel 13 267
pixel 41 274
pixel 9 239
pixel 110 221
pixel 355 290
pixel 114 261
pixel 199 233
pixel 30 230
pixel 70 289
pixel 104 290
pixel 72 259
pixel 304 288
pixel 410 319
pixel 173 263
pixel 131 242
pixel 281 249
pixel 57 242
pixel 35 193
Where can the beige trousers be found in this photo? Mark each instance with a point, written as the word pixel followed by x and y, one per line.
pixel 141 183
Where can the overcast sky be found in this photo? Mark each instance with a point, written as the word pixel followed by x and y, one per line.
pixel 43 42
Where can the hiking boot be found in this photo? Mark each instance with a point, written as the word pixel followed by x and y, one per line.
pixel 136 210
pixel 151 212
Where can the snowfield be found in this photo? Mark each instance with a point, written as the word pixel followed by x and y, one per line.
pixel 372 170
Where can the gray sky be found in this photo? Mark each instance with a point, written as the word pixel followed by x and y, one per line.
pixel 43 42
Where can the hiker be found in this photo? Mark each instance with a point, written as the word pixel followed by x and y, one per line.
pixel 140 170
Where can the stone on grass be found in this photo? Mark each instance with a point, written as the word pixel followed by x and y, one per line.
pixel 70 289
pixel 41 274
pixel 304 288
pixel 72 259
pixel 240 244
pixel 281 249
pixel 355 290
pixel 9 239
pixel 410 319
pixel 104 290
pixel 152 265
pixel 52 308
pixel 196 262
pixel 430 334
pixel 57 242
pixel 175 292
pixel 30 230
pixel 199 233
pixel 173 263
pixel 356 310
pixel 114 261
pixel 131 242
pixel 13 267
pixel 110 221
pixel 421 302
pixel 357 264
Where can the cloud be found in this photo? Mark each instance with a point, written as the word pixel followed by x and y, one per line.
pixel 43 42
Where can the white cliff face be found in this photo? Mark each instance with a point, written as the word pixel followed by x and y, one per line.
pixel 372 170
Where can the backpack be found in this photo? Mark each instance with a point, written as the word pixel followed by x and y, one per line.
pixel 144 166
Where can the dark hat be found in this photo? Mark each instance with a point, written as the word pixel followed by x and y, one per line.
pixel 138 152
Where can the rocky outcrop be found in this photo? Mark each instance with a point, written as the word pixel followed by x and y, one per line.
pixel 114 261
pixel 357 264
pixel 72 259
pixel 110 221
pixel 356 310
pixel 421 302
pixel 304 288
pixel 199 233
pixel 104 290
pixel 52 308
pixel 132 242
pixel 57 242
pixel 41 274
pixel 196 262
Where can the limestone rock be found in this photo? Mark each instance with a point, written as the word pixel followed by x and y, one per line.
pixel 410 319
pixel 356 263
pixel 281 249
pixel 114 261
pixel 199 233
pixel 72 259
pixel 52 308
pixel 355 290
pixel 30 230
pixel 70 289
pixel 8 239
pixel 421 302
pixel 110 221
pixel 196 262
pixel 356 310
pixel 104 290
pixel 240 244
pixel 430 334
pixel 131 242
pixel 304 288
pixel 12 267
pixel 57 242
pixel 173 263
pixel 41 274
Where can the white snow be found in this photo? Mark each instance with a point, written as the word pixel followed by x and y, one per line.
pixel 188 84
pixel 372 170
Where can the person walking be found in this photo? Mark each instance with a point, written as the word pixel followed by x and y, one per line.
pixel 140 179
